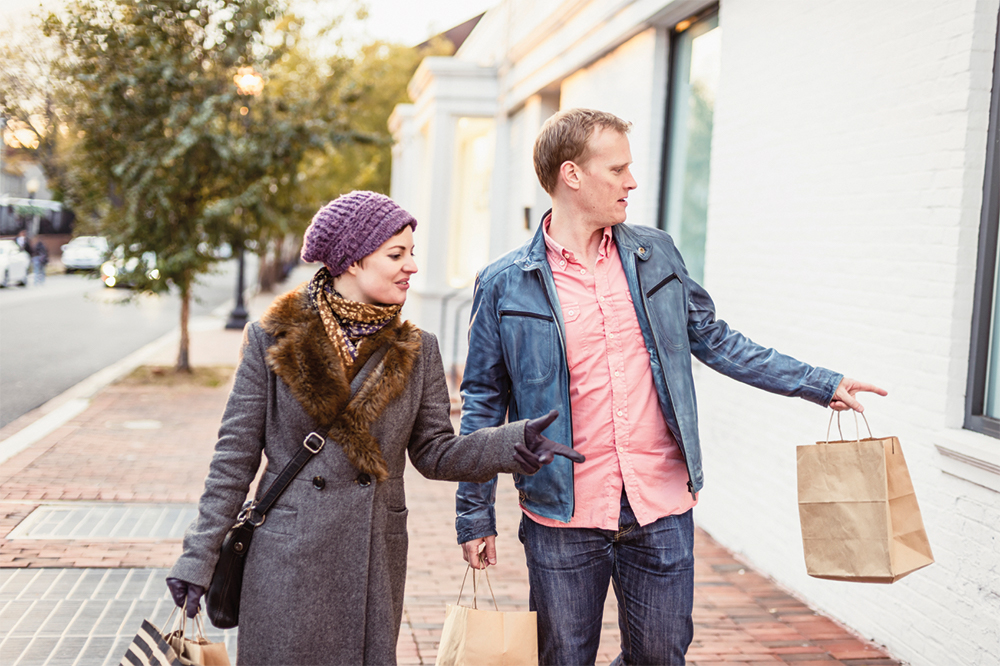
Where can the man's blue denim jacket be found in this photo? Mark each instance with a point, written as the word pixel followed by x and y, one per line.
pixel 517 367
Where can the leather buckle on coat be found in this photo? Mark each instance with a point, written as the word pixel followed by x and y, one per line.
pixel 313 438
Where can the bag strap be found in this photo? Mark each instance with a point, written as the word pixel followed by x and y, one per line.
pixel 474 589
pixel 311 445
pixel 857 427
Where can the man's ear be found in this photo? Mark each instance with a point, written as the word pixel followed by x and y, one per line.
pixel 569 173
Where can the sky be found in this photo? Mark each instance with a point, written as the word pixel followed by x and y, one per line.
pixel 413 21
pixel 405 21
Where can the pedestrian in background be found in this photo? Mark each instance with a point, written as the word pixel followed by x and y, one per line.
pixel 39 260
pixel 599 319
pixel 22 241
pixel 325 572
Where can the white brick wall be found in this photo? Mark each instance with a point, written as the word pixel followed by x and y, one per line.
pixel 846 188
pixel 847 175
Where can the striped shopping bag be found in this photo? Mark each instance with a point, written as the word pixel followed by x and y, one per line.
pixel 148 648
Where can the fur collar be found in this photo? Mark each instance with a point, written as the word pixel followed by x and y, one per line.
pixel 304 358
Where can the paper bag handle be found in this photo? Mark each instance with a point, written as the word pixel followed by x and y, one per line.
pixel 474 588
pixel 857 427
pixel 182 621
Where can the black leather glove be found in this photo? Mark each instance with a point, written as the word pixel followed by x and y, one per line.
pixel 186 595
pixel 538 449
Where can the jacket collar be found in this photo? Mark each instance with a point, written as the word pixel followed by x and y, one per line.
pixel 628 241
pixel 533 254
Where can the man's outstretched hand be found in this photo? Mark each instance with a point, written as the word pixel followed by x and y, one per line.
pixel 844 397
pixel 538 449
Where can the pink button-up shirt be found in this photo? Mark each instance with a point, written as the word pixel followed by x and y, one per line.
pixel 617 421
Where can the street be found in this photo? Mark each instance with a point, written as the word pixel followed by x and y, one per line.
pixel 55 335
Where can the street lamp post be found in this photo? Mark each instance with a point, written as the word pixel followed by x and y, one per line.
pixel 249 84
pixel 32 186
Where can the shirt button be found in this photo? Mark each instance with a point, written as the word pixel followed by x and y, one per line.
pixel 619 412
pixel 583 271
pixel 319 482
pixel 616 373
pixel 570 313
pixel 611 335
pixel 602 299
pixel 562 264
pixel 364 480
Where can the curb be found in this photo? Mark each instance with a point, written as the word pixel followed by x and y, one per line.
pixel 73 401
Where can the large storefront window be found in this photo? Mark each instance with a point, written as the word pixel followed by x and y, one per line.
pixel 475 142
pixel 982 398
pixel 694 76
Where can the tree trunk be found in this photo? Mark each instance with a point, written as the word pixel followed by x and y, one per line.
pixel 265 272
pixel 183 363
pixel 270 266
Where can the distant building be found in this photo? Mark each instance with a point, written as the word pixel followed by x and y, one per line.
pixel 831 173
pixel 23 190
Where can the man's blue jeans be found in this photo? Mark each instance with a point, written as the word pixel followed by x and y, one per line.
pixel 652 569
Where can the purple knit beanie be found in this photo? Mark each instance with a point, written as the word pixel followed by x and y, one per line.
pixel 351 227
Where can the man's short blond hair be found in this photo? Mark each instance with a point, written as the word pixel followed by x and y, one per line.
pixel 564 138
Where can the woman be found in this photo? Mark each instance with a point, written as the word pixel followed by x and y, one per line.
pixel 324 577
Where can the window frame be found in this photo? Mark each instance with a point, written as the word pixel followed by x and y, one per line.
pixel 986 270
pixel 669 116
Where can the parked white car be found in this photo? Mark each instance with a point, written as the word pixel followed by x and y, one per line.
pixel 84 253
pixel 14 263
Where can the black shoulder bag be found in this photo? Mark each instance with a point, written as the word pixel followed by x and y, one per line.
pixel 223 597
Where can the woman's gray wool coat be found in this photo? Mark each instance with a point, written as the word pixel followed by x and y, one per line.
pixel 324 576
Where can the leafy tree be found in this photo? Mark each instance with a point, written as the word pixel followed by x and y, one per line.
pixel 375 83
pixel 29 100
pixel 170 157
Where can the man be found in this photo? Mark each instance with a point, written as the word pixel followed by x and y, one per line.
pixel 599 320
pixel 39 260
pixel 22 241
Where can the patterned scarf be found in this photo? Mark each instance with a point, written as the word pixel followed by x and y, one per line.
pixel 348 323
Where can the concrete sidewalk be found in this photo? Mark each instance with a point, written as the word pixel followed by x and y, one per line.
pixel 98 486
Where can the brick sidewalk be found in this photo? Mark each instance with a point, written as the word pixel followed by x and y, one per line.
pixel 152 444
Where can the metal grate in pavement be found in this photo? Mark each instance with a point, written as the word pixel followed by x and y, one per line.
pixel 101 521
pixel 82 617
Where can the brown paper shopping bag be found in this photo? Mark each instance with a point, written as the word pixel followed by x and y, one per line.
pixel 473 637
pixel 859 514
pixel 197 651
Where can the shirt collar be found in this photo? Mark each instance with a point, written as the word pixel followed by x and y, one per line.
pixel 559 253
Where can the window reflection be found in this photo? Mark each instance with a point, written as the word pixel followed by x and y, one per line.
pixel 695 77
pixel 475 140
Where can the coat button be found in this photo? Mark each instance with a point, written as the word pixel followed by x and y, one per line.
pixel 319 482
pixel 364 480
